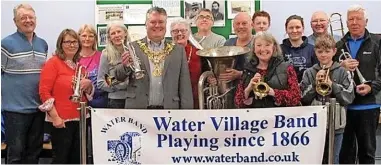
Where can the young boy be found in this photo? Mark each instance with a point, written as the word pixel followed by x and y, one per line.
pixel 341 87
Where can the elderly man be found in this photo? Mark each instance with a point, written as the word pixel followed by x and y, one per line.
pixel 319 25
pixel 363 113
pixel 242 27
pixel 22 55
pixel 166 83
pixel 204 35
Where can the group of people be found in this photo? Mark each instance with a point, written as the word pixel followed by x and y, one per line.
pixel 156 73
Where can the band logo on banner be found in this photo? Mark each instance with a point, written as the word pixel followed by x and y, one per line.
pixel 270 135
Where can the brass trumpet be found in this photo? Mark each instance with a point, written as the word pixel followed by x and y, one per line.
pixel 261 89
pixel 78 76
pixel 345 55
pixel 322 87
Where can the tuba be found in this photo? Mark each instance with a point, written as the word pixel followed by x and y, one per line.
pixel 333 20
pixel 323 88
pixel 261 89
pixel 219 59
pixel 345 55
pixel 80 73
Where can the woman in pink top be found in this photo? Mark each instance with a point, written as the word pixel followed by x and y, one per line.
pixel 90 58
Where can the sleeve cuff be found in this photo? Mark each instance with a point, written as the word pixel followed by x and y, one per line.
pixel 47 105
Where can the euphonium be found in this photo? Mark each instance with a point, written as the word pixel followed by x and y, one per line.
pixel 80 74
pixel 345 55
pixel 261 89
pixel 322 87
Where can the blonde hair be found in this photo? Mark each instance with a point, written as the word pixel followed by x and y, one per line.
pixel 325 42
pixel 110 50
pixel 89 28
pixel 24 6
pixel 267 36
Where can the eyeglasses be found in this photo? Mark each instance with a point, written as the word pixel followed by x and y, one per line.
pixel 87 36
pixel 207 17
pixel 68 43
pixel 176 31
pixel 319 20
pixel 25 18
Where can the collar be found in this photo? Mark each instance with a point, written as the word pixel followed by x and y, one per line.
pixel 150 42
pixel 23 34
pixel 358 39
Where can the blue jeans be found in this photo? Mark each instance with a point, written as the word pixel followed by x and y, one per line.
pixel 25 133
pixel 338 140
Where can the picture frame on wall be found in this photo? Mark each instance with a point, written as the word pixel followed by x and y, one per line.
pixel 102 36
pixel 191 9
pixel 236 6
pixel 218 11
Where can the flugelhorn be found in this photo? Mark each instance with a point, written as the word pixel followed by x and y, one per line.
pixel 78 76
pixel 322 87
pixel 345 55
pixel 135 67
pixel 261 89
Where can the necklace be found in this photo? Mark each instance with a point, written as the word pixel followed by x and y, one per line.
pixel 190 54
pixel 156 57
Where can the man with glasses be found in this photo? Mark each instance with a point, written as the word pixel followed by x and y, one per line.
pixel 319 25
pixel 22 55
pixel 204 35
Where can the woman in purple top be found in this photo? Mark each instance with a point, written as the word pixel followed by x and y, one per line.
pixel 90 58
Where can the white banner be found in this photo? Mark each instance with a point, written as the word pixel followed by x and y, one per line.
pixel 269 135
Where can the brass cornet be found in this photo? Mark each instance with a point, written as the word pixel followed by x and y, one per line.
pixel 261 89
pixel 345 55
pixel 80 74
pixel 322 87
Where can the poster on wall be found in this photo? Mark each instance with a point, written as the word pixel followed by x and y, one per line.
pixel 236 6
pixel 102 36
pixel 172 7
pixel 137 32
pixel 136 13
pixel 109 13
pixel 218 11
pixel 191 9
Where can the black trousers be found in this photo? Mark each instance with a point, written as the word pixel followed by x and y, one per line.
pixel 116 103
pixel 66 144
pixel 361 128
pixel 25 133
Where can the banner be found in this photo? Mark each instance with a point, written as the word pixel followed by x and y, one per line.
pixel 268 135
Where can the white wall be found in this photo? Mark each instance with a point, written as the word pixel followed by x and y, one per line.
pixel 281 9
pixel 52 17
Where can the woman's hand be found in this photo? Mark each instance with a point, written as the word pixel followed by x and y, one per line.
pixel 58 122
pixel 86 85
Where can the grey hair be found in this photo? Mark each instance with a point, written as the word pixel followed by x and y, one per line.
pixel 356 8
pixel 181 21
pixel 267 36
pixel 24 6
pixel 159 10
pixel 110 50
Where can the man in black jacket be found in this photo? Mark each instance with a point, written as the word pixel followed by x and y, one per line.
pixel 363 113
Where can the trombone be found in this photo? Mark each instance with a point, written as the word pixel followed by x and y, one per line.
pixel 322 87
pixel 336 20
pixel 345 55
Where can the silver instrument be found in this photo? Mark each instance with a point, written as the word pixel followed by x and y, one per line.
pixel 335 18
pixel 196 43
pixel 135 67
pixel 219 59
pixel 345 55
pixel 78 76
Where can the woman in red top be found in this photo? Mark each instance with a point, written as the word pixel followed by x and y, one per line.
pixel 268 66
pixel 56 87
pixel 180 31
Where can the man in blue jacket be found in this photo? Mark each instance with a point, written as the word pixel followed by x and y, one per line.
pixel 363 113
pixel 22 56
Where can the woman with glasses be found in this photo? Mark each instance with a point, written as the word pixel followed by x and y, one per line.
pixel 110 58
pixel 90 59
pixel 180 32
pixel 55 88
